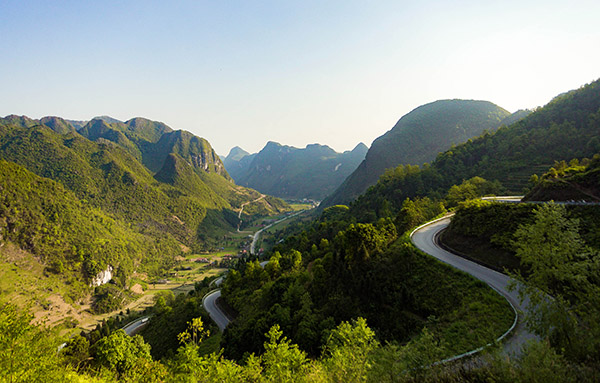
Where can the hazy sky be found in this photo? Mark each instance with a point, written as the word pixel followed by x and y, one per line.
pixel 296 72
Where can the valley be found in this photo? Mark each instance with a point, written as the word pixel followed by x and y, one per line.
pixel 105 223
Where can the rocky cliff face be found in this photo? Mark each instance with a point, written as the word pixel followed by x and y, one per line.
pixel 103 277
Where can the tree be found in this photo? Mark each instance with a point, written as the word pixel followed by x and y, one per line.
pixel 26 352
pixel 282 360
pixel 470 189
pixel 562 284
pixel 348 353
pixel 194 333
pixel 128 357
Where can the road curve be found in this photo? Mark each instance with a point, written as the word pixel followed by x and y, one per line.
pixel 135 326
pixel 424 238
pixel 210 305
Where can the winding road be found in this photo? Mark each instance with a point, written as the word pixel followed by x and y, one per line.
pixel 210 300
pixel 134 327
pixel 242 209
pixel 425 238
pixel 210 304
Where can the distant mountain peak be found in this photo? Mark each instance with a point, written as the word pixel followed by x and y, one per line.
pixel 236 153
pixel 361 147
pixel 273 144
pixel 108 119
pixel 290 172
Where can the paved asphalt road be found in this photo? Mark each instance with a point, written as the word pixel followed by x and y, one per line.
pixel 424 239
pixel 135 326
pixel 210 305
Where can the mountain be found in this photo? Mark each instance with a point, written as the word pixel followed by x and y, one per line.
pixel 516 116
pixel 238 162
pixel 289 172
pixel 108 119
pixel 100 131
pixel 236 154
pixel 147 129
pixel 197 151
pixel 417 138
pixel 566 128
pixel 57 124
pixel 77 124
pixel 22 121
pixel 188 203
pixel 151 142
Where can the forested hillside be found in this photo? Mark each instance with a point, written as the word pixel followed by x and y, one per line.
pixel 72 238
pixel 567 128
pixel 82 206
pixel 345 297
pixel 417 138
pixel 572 181
pixel 287 172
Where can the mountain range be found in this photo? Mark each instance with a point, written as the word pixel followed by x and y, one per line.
pixel 284 171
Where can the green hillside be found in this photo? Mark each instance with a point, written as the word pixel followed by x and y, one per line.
pixel 69 236
pixel 105 176
pixel 70 202
pixel 197 151
pixel 417 138
pixel 568 127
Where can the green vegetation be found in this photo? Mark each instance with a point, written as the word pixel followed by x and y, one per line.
pixel 308 293
pixel 351 353
pixel 345 297
pixel 562 266
pixel 67 235
pixel 575 181
pixel 171 315
pixel 81 207
pixel 485 231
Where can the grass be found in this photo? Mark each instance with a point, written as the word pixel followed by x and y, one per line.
pixel 472 313
pixel 23 281
pixel 301 206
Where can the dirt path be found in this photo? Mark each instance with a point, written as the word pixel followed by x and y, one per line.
pixel 262 196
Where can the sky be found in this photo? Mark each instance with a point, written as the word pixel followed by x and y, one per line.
pixel 242 73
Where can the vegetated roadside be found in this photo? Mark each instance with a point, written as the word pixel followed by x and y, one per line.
pixel 483 231
pixel 320 278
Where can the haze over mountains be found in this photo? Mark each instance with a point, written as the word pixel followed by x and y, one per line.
pixel 288 172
